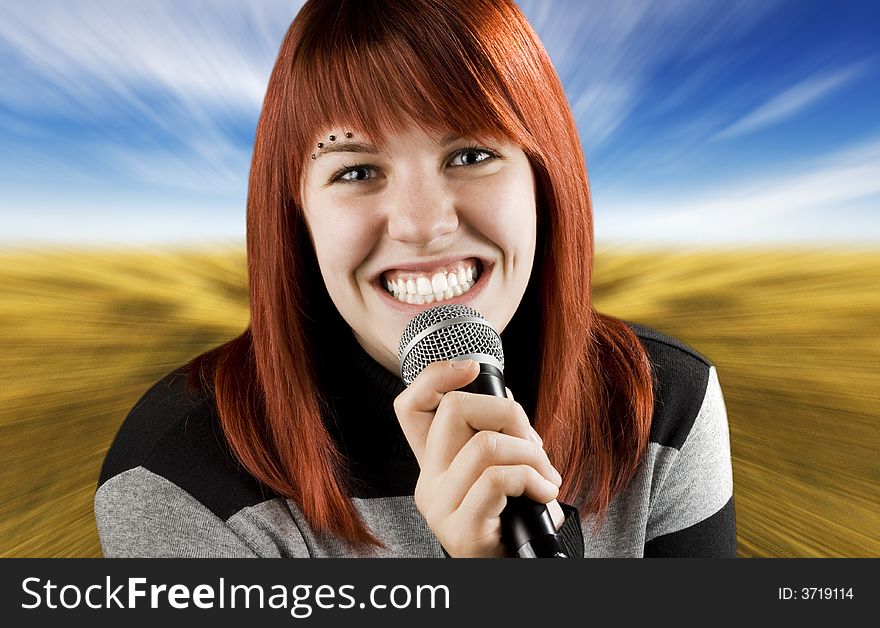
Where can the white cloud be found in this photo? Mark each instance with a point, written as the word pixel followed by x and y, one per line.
pixel 91 215
pixel 147 91
pixel 810 202
pixel 793 100
pixel 601 109
pixel 605 52
pixel 100 54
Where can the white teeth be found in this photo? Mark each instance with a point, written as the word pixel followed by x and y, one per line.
pixel 438 282
pixel 448 293
pixel 436 288
pixel 423 285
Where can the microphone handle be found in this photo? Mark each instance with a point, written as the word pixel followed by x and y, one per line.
pixel 527 528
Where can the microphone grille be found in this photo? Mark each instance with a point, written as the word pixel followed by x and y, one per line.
pixel 446 332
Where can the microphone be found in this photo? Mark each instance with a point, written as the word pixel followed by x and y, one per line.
pixel 450 332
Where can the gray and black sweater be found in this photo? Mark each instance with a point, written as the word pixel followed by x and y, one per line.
pixel 170 485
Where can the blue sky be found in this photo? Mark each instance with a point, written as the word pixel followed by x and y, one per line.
pixel 703 122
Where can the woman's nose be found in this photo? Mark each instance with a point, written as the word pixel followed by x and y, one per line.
pixel 420 212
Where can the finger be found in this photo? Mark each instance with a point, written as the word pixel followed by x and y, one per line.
pixel 415 406
pixel 489 449
pixel 488 496
pixel 556 514
pixel 535 436
pixel 460 415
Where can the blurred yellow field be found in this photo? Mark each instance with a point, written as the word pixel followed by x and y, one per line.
pixel 795 336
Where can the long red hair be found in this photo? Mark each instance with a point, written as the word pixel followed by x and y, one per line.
pixel 474 67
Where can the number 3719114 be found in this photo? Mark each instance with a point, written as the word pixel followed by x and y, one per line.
pixel 816 593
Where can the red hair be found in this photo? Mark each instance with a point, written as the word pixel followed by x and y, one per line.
pixel 470 66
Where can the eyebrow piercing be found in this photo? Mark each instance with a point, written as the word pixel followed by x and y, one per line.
pixel 332 138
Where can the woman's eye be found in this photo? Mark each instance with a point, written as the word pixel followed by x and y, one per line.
pixel 355 173
pixel 471 156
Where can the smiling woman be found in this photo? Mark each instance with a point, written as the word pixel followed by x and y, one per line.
pixel 424 220
pixel 410 153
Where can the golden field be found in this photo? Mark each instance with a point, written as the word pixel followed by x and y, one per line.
pixel 795 335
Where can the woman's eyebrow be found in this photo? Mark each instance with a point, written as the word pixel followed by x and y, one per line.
pixel 354 146
pixel 347 147
pixel 450 137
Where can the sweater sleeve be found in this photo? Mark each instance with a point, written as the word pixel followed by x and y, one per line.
pixel 692 513
pixel 141 514
pixel 570 533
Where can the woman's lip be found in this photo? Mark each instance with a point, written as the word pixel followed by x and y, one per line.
pixel 414 308
pixel 425 267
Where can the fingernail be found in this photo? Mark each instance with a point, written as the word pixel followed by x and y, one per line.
pixel 462 365
pixel 536 438
pixel 556 477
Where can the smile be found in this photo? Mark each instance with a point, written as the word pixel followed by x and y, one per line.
pixel 441 284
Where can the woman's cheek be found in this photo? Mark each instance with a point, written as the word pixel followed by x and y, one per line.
pixel 347 238
pixel 504 203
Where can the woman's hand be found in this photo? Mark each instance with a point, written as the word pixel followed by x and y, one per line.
pixel 474 451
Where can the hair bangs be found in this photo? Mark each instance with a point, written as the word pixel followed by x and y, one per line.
pixel 396 72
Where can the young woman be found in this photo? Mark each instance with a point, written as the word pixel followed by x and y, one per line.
pixel 411 153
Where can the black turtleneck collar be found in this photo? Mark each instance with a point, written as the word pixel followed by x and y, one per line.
pixel 360 394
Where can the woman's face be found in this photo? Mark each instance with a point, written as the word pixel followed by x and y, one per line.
pixel 418 221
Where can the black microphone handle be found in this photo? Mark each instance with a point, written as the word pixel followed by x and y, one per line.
pixel 527 528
